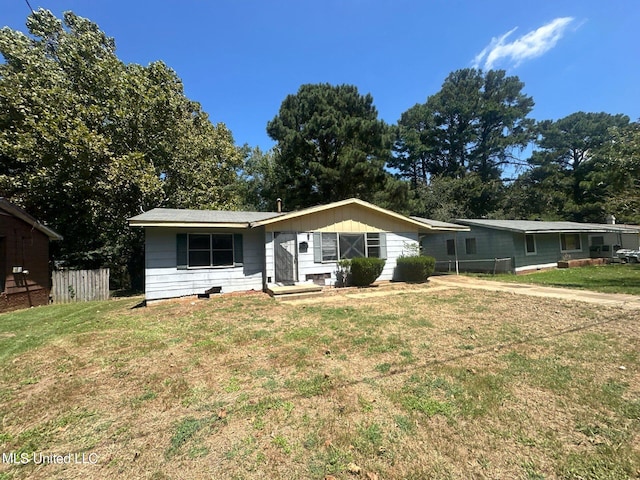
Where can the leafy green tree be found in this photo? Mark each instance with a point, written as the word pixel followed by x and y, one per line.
pixel 416 147
pixel 331 145
pixel 87 141
pixel 262 178
pixel 472 125
pixel 568 157
pixel 446 198
pixel 617 175
pixel 571 141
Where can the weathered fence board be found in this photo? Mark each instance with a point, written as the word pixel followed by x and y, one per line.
pixel 80 285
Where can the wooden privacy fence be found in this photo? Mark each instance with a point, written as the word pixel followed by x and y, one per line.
pixel 80 285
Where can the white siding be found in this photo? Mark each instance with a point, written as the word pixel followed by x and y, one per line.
pixel 268 254
pixel 398 244
pixel 164 280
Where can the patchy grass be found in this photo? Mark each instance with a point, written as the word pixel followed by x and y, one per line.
pixel 613 278
pixel 424 384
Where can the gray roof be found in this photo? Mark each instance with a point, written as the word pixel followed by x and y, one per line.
pixel 177 215
pixel 534 226
pixel 439 224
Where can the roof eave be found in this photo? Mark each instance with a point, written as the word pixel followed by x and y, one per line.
pixel 356 201
pixel 25 217
pixel 150 223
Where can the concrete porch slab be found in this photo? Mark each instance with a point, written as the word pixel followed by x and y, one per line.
pixel 275 289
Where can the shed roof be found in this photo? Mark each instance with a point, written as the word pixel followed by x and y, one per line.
pixel 16 211
pixel 535 226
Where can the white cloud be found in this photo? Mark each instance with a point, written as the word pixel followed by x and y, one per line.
pixel 530 45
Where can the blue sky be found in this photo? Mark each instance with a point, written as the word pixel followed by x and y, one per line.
pixel 240 58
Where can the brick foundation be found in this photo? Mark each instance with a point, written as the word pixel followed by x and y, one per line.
pixel 19 300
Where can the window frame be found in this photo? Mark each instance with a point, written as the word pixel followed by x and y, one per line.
pixel 451 242
pixel 470 241
pixel 322 247
pixel 211 251
pixel 371 241
pixel 526 246
pixel 564 236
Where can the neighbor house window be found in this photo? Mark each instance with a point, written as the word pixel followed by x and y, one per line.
pixel 451 247
pixel 530 244
pixel 570 242
pixel 597 241
pixel 333 246
pixel 470 246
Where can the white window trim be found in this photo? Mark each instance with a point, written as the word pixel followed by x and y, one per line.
pixel 338 253
pixel 535 245
pixel 570 251
pixel 322 234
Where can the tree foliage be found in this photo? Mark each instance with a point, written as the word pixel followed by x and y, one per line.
pixel 331 145
pixel 87 141
pixel 568 166
pixel 472 125
pixel 619 173
pixel 262 179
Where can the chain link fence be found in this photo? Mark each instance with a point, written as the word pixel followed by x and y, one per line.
pixel 489 265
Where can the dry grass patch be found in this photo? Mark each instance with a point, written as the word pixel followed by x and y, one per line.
pixel 422 384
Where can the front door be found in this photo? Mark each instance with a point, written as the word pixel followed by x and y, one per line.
pixel 285 257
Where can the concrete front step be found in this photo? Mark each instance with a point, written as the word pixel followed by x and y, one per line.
pixel 276 290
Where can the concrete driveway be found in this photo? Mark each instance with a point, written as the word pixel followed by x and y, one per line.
pixel 609 299
pixel 448 282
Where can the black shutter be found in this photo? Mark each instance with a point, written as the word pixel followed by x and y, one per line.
pixel 182 261
pixel 238 253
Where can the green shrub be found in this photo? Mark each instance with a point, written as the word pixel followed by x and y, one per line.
pixel 415 269
pixel 364 271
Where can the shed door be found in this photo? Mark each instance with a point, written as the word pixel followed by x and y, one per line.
pixel 285 257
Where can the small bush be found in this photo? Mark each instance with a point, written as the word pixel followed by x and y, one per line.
pixel 364 271
pixel 415 269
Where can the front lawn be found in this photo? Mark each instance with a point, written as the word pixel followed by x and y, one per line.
pixel 438 384
pixel 614 278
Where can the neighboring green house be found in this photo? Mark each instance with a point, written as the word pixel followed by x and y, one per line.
pixel 515 245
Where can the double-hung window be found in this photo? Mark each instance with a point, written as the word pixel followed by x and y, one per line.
pixel 570 242
pixel 470 246
pixel 530 244
pixel 451 247
pixel 373 245
pixel 329 247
